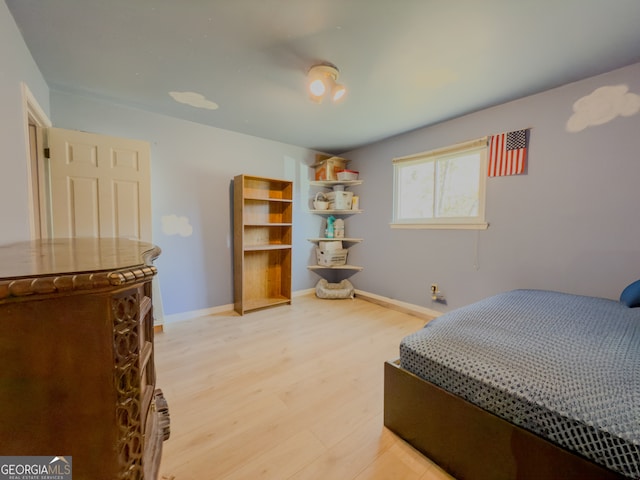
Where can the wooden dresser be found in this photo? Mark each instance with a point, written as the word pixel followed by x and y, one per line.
pixel 77 376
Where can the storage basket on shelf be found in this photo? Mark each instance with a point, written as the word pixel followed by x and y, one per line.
pixel 332 257
pixel 339 200
pixel 327 167
pixel 347 175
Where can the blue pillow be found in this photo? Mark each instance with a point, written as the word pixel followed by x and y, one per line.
pixel 630 296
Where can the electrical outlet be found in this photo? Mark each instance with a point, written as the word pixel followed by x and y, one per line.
pixel 434 288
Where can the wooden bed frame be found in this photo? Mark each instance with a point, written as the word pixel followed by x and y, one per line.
pixel 471 443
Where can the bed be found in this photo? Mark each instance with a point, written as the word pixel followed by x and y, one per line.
pixel 527 384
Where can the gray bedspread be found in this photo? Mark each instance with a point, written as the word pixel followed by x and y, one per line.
pixel 566 367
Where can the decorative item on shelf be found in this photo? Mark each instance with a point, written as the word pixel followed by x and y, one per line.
pixel 329 233
pixel 355 202
pixel 320 202
pixel 338 228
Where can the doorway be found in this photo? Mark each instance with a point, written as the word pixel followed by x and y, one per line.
pixel 36 123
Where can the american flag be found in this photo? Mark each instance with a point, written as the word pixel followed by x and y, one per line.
pixel 507 153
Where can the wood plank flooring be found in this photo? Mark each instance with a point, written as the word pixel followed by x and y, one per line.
pixel 287 393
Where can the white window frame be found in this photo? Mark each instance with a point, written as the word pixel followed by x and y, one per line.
pixel 473 223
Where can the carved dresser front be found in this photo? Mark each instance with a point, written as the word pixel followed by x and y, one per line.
pixel 77 375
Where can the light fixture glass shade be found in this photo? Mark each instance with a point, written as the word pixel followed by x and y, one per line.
pixel 338 92
pixel 317 87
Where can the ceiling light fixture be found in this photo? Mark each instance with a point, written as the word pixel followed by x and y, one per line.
pixel 322 82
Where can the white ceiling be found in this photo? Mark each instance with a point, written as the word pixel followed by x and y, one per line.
pixel 407 63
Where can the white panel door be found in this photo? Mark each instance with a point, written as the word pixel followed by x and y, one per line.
pixel 100 185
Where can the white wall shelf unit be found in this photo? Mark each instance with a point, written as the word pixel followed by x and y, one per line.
pixel 347 242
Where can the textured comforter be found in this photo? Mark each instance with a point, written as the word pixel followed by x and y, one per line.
pixel 563 366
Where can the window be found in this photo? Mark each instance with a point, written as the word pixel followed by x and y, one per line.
pixel 443 188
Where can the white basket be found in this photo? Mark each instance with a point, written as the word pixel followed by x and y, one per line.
pixel 347 175
pixel 331 258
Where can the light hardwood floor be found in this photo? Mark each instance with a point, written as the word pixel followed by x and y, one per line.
pixel 287 393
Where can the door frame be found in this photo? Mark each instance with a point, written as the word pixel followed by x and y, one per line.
pixel 35 122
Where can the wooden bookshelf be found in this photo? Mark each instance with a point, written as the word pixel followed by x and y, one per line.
pixel 262 218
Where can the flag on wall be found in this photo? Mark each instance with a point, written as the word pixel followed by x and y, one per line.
pixel 507 153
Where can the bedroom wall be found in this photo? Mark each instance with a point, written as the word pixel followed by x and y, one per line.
pixel 16 66
pixel 192 167
pixel 569 224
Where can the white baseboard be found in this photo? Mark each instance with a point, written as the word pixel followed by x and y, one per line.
pixel 409 308
pixel 308 291
pixel 228 308
pixel 404 307
pixel 180 317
